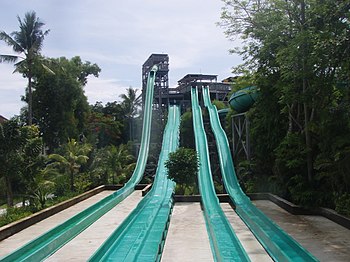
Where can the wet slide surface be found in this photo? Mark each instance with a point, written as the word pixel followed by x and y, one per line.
pixel 277 243
pixel 224 243
pixel 141 235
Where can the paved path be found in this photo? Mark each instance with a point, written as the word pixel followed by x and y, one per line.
pixel 251 245
pixel 187 238
pixel 86 243
pixel 325 239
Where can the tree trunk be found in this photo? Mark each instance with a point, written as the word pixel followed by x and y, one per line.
pixel 9 191
pixel 30 98
pixel 308 143
pixel 308 146
pixel 72 181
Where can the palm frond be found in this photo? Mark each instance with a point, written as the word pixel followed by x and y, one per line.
pixel 48 69
pixel 8 58
pixel 11 42
pixel 58 158
pixel 21 66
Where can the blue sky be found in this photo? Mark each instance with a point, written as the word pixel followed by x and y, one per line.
pixel 119 36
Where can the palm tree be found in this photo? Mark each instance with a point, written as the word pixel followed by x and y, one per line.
pixel 118 161
pixel 28 42
pixel 75 155
pixel 130 104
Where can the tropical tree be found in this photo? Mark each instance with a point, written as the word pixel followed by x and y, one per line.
pixel 130 104
pixel 116 162
pixel 298 53
pixel 59 102
pixel 105 124
pixel 182 167
pixel 28 42
pixel 20 149
pixel 75 154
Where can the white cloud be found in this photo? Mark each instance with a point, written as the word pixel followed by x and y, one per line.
pixel 120 35
pixel 12 87
pixel 104 90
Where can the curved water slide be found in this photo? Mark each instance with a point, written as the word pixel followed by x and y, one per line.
pixel 141 235
pixel 46 244
pixel 224 242
pixel 279 245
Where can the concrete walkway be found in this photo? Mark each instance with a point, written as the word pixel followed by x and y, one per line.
pixel 87 242
pixel 251 245
pixel 187 238
pixel 326 240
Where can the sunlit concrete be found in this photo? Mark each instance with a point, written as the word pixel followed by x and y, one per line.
pixel 326 240
pixel 187 238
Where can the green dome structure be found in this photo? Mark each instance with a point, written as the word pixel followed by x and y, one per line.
pixel 243 99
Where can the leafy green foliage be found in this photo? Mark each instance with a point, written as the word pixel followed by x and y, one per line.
pixel 59 103
pixel 20 157
pixel 13 214
pixel 186 130
pixel 219 104
pixel 343 204
pixel 296 53
pixel 75 154
pixel 114 163
pixel 182 167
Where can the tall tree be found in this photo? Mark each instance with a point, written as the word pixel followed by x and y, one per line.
pixel 298 51
pixel 130 104
pixel 20 147
pixel 28 42
pixel 60 104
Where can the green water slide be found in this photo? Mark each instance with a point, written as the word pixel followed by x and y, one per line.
pixel 141 235
pixel 224 242
pixel 46 244
pixel 244 98
pixel 279 245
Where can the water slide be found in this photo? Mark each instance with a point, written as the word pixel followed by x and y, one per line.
pixel 243 99
pixel 279 245
pixel 224 242
pixel 141 235
pixel 52 240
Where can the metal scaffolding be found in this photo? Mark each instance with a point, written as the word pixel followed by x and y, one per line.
pixel 240 136
pixel 161 85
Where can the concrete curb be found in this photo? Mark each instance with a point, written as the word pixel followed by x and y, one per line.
pixel 223 198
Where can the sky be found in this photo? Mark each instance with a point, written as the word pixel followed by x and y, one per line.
pixel 119 36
